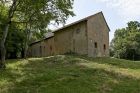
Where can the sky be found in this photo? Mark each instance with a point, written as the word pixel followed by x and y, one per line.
pixel 117 12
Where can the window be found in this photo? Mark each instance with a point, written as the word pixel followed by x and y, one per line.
pixel 104 47
pixel 44 48
pixel 51 48
pixel 78 30
pixel 95 44
pixel 74 45
pixel 40 50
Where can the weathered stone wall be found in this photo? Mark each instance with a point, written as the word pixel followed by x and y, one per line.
pixel 98 32
pixel 49 47
pixel 86 37
pixel 71 39
pixel 35 50
pixel 42 48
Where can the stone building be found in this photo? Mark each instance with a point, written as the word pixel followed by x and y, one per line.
pixel 89 36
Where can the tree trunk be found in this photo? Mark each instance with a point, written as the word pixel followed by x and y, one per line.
pixel 26 49
pixel 28 36
pixel 2 46
pixel 11 11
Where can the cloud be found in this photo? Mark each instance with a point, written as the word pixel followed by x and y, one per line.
pixel 127 9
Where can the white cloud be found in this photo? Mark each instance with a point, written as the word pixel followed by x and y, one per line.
pixel 127 9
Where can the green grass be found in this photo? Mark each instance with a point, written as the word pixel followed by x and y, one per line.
pixel 70 74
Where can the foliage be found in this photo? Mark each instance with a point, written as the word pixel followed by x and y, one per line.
pixel 126 43
pixel 70 74
pixel 15 42
pixel 16 36
pixel 28 20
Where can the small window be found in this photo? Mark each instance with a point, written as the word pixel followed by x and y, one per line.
pixel 78 30
pixel 44 47
pixel 40 49
pixel 51 48
pixel 74 45
pixel 95 44
pixel 104 47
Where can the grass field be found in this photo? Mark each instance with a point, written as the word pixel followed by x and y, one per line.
pixel 70 74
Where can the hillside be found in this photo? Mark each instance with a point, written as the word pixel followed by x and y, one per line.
pixel 70 74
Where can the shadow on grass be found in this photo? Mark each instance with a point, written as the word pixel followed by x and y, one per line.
pixel 114 61
pixel 64 74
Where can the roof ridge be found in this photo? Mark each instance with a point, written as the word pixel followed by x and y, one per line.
pixel 78 21
pixel 71 24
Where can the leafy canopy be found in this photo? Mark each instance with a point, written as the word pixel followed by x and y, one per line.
pixel 126 43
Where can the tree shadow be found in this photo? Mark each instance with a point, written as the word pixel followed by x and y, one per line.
pixel 114 61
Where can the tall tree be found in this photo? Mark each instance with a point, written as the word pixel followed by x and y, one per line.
pixel 126 43
pixel 6 25
pixel 34 14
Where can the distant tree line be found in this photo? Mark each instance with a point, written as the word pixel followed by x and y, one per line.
pixel 126 42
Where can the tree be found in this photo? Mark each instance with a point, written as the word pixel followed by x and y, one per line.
pixel 126 42
pixel 14 42
pixel 33 14
pixel 16 34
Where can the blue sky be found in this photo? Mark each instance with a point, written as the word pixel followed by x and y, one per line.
pixel 116 12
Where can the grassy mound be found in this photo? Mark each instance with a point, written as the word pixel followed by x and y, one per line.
pixel 70 74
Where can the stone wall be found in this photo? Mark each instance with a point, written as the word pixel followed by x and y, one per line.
pixel 89 36
pixel 71 39
pixel 98 36
pixel 42 48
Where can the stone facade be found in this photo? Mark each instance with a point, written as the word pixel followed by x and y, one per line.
pixel 89 36
pixel 42 48
pixel 71 39
pixel 98 36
